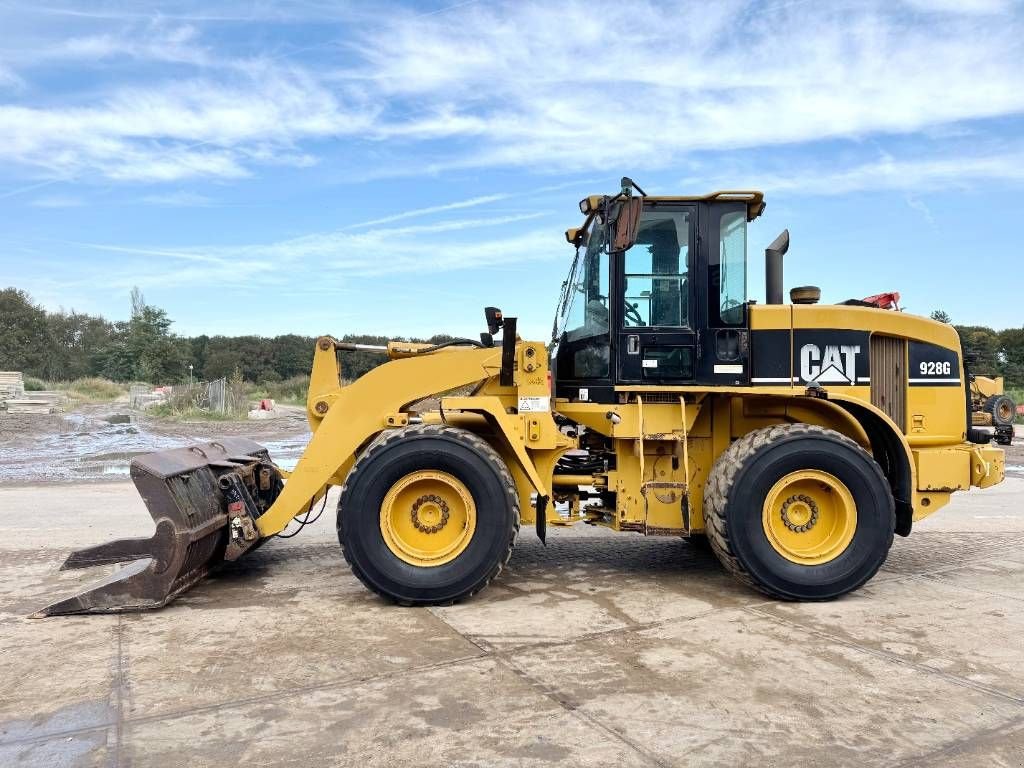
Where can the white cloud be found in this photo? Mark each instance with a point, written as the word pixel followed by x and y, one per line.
pixel 470 203
pixel 399 250
pixel 179 199
pixel 155 41
pixel 418 212
pixel 983 7
pixel 57 201
pixel 588 84
pixel 10 79
pixel 919 205
pixel 178 130
pixel 544 86
pixel 340 254
pixel 942 169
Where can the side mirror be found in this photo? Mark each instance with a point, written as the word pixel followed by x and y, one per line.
pixel 627 223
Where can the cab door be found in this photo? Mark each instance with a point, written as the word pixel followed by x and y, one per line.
pixel 725 329
pixel 656 339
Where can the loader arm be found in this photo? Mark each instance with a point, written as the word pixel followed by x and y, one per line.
pixel 344 418
pixel 215 501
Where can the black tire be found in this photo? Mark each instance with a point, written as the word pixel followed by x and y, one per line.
pixel 739 483
pixel 1002 410
pixel 428 447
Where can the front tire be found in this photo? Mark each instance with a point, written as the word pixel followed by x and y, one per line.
pixel 428 515
pixel 799 512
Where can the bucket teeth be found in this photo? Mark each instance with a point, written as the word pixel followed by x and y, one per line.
pixel 123 550
pixel 184 495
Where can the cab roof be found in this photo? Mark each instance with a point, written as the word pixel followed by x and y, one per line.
pixel 753 199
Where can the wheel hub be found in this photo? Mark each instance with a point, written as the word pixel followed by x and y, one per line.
pixel 430 513
pixel 427 518
pixel 809 517
pixel 799 513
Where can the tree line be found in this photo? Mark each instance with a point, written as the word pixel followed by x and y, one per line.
pixel 991 352
pixel 68 345
pixel 63 346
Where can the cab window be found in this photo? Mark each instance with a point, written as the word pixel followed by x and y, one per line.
pixel 586 325
pixel 657 271
pixel 727 272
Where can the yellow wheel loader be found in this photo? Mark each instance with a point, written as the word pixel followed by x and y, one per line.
pixel 796 439
pixel 992 407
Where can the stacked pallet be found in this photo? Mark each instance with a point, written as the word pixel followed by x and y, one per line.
pixel 54 398
pixel 12 385
pixel 31 405
pixel 12 393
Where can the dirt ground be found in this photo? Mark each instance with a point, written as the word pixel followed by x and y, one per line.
pixel 600 649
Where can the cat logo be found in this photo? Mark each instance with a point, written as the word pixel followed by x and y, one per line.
pixel 836 365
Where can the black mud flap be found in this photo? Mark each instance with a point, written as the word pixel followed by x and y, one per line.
pixel 204 500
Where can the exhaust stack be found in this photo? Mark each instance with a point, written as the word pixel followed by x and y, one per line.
pixel 773 268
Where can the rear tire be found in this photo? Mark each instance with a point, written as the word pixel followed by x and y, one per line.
pixel 740 510
pixel 1002 409
pixel 439 470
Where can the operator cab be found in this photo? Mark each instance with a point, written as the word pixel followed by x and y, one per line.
pixel 657 294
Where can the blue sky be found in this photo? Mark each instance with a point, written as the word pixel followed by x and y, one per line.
pixel 320 167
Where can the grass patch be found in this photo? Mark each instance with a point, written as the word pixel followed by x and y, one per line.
pixel 287 392
pixel 88 390
pixel 172 412
pixel 194 404
pixel 97 389
pixel 32 384
pixel 1017 395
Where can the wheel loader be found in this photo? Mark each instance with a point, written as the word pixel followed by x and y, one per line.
pixel 795 438
pixel 992 407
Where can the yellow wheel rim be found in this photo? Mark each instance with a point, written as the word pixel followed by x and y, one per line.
pixel 809 517
pixel 428 518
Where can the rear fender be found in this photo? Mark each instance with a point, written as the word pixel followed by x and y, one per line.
pixel 891 451
pixel 869 427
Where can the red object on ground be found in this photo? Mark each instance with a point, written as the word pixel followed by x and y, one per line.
pixel 885 300
pixel 266 405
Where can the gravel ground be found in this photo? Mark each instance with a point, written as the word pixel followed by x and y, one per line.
pixel 599 649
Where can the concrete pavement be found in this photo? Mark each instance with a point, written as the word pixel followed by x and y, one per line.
pixel 598 650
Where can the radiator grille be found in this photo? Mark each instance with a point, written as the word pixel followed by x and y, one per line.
pixel 889 377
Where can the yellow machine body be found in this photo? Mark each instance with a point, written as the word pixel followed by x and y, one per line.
pixel 818 432
pixel 666 438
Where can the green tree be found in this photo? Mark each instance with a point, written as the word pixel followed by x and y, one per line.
pixel 983 344
pixel 1012 349
pixel 221 363
pixel 76 339
pixel 144 349
pixel 941 316
pixel 291 355
pixel 24 334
